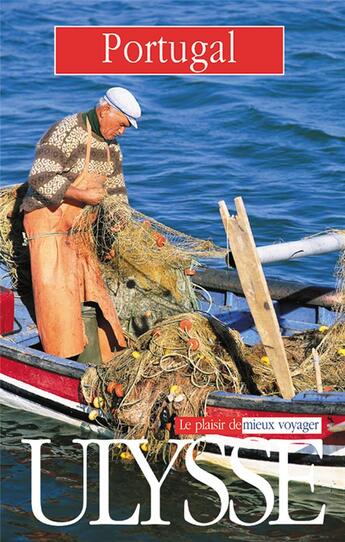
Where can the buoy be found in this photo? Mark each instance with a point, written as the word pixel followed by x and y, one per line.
pixel 341 351
pixel 126 456
pixel 110 255
pixel 185 325
pixel 323 329
pixel 175 389
pixel 168 426
pixel 147 224
pixel 136 354
pixel 119 390
pixel 265 360
pixel 93 415
pixel 111 387
pixel 193 344
pixel 328 388
pixel 160 241
pixel 98 402
pixel 144 447
pixel 189 272
pixel 165 416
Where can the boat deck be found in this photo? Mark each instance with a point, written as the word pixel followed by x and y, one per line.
pixel 299 307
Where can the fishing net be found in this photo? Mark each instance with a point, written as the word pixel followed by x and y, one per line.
pixel 169 372
pixel 164 243
pixel 146 265
pixel 13 254
pixel 300 358
pixel 335 338
pixel 327 344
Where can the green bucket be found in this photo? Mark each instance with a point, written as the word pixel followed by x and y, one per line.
pixel 92 351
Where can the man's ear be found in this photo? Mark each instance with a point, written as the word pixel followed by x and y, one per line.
pixel 103 110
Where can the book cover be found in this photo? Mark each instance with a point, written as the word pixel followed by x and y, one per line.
pixel 269 129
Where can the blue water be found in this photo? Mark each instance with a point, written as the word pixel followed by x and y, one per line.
pixel 276 141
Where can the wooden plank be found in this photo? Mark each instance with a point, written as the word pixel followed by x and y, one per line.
pixel 255 289
pixel 317 368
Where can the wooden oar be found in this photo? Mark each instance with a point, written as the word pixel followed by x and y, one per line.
pixel 255 289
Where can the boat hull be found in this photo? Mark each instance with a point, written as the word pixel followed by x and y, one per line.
pixel 49 393
pixel 47 385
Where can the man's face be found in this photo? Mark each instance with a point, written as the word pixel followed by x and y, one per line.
pixel 112 123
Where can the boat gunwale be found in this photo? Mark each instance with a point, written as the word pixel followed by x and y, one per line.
pixel 266 403
pixel 218 399
pixel 38 359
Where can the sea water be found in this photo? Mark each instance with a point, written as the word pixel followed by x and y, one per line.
pixel 276 141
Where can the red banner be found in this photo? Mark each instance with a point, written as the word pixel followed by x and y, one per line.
pixel 174 50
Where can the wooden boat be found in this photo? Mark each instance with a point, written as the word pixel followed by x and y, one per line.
pixel 50 386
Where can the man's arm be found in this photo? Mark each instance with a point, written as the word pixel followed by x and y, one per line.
pixel 89 196
pixel 48 179
pixel 115 184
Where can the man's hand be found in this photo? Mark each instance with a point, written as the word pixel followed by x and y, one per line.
pixel 93 196
pixel 88 196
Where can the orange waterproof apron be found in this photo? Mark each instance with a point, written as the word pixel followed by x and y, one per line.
pixel 64 275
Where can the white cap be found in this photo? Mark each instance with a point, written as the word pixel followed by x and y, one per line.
pixel 124 101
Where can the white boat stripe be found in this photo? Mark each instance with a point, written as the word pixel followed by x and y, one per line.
pixel 333 477
pixel 45 394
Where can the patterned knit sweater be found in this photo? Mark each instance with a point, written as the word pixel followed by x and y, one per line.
pixel 60 158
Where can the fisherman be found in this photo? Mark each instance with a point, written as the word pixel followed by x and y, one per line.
pixel 77 161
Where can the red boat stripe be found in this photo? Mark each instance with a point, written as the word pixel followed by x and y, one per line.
pixel 63 386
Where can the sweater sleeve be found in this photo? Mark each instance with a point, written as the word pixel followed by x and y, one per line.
pixel 115 183
pixel 49 177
